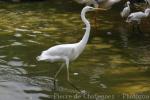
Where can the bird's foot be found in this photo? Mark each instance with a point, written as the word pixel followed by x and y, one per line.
pixel 74 86
pixel 55 84
pixel 83 92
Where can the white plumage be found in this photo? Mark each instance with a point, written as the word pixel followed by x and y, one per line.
pixel 96 3
pixel 89 2
pixel 147 1
pixel 68 52
pixel 138 16
pixel 109 3
pixel 126 11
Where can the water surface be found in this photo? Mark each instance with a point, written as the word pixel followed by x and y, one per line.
pixel 114 62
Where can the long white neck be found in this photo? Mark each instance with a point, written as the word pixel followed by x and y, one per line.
pixel 88 28
pixel 128 5
pixel 83 42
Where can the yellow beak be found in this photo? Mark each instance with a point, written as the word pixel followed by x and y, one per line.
pixel 100 9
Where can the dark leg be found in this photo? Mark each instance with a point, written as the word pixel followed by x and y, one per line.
pixel 74 86
pixel 133 27
pixel 139 29
pixel 82 92
pixel 55 85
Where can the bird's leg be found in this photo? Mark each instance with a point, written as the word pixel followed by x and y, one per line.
pixel 133 27
pixel 55 84
pixel 67 65
pixel 138 28
pixel 59 70
pixel 74 86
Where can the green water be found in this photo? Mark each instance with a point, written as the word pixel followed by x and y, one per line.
pixel 115 61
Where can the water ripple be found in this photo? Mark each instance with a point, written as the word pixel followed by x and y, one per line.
pixel 18 35
pixel 17 44
pixel 31 41
pixel 15 63
pixel 16 91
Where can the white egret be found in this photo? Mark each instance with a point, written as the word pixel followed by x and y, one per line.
pixel 89 2
pixel 136 17
pixel 107 4
pixel 148 2
pixel 68 52
pixel 126 11
pixel 96 3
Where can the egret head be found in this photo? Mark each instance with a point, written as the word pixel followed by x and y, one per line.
pixel 128 2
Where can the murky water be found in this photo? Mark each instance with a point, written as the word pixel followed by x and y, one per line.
pixel 115 61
